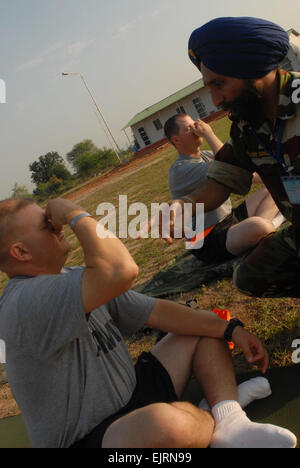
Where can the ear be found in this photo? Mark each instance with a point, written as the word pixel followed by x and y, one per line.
pixel 19 252
pixel 174 140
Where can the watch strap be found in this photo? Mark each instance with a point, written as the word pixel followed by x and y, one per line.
pixel 233 323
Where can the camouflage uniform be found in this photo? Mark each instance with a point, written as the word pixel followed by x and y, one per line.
pixel 273 268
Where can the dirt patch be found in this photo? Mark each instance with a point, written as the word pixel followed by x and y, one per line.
pixel 8 405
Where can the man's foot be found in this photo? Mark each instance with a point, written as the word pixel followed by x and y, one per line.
pixel 253 389
pixel 234 430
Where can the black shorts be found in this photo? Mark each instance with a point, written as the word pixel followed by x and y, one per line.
pixel 214 248
pixel 153 385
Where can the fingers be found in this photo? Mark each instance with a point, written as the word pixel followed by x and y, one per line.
pixel 256 353
pixel 53 224
pixel 167 224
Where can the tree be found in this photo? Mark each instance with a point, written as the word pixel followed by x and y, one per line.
pixel 88 160
pixel 20 191
pixel 86 148
pixel 54 186
pixel 48 165
pixel 107 158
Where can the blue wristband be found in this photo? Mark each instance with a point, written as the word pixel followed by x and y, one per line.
pixel 77 218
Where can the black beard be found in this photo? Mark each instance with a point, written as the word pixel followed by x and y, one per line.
pixel 249 106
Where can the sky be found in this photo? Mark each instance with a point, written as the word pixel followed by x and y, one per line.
pixel 132 54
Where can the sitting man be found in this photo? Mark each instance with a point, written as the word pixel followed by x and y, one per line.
pixel 227 232
pixel 67 362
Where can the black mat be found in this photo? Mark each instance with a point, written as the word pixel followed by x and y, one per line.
pixel 183 274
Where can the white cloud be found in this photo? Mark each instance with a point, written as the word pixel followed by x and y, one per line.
pixel 78 47
pixel 125 27
pixel 30 64
pixel 34 62
pixel 73 50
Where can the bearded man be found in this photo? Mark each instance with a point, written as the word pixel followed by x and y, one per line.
pixel 239 59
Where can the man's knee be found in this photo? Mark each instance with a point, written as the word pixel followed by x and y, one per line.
pixel 261 227
pixel 181 425
pixel 168 425
pixel 149 427
pixel 189 426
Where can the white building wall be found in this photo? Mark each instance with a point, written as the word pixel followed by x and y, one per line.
pixel 294 53
pixel 292 60
pixel 155 135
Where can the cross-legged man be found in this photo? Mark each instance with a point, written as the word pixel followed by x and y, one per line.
pixel 227 232
pixel 67 362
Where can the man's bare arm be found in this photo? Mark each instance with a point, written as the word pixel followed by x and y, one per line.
pixel 180 320
pixel 212 194
pixel 175 318
pixel 110 270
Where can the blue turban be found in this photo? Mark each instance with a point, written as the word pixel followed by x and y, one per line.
pixel 245 48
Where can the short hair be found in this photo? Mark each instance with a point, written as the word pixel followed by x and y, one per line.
pixel 8 210
pixel 171 126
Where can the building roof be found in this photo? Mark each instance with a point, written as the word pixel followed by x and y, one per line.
pixel 293 31
pixel 168 101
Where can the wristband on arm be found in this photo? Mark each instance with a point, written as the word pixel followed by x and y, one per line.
pixel 77 218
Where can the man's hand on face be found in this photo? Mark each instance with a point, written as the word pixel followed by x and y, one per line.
pixel 201 128
pixel 60 212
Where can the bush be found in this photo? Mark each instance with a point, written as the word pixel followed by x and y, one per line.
pixel 53 188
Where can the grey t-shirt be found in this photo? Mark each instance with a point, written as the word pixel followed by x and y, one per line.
pixel 188 174
pixel 67 371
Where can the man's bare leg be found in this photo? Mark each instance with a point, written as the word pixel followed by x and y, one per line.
pixel 247 234
pixel 213 368
pixel 179 424
pixel 161 425
pixel 182 425
pixel 261 222
pixel 262 204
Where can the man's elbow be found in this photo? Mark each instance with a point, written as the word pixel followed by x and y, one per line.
pixel 128 273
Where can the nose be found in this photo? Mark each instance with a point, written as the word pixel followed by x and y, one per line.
pixel 217 98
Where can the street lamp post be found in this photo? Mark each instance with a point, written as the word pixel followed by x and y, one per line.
pixel 98 109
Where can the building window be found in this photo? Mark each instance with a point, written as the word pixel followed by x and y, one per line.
pixel 157 124
pixel 144 136
pixel 200 108
pixel 180 110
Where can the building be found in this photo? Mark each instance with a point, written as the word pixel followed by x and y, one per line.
pixel 147 126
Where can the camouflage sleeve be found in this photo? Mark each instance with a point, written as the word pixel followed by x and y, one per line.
pixel 232 167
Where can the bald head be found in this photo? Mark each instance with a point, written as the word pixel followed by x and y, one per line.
pixel 9 210
pixel 29 246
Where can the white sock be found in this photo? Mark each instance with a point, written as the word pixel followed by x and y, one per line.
pixel 233 429
pixel 253 389
pixel 278 220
